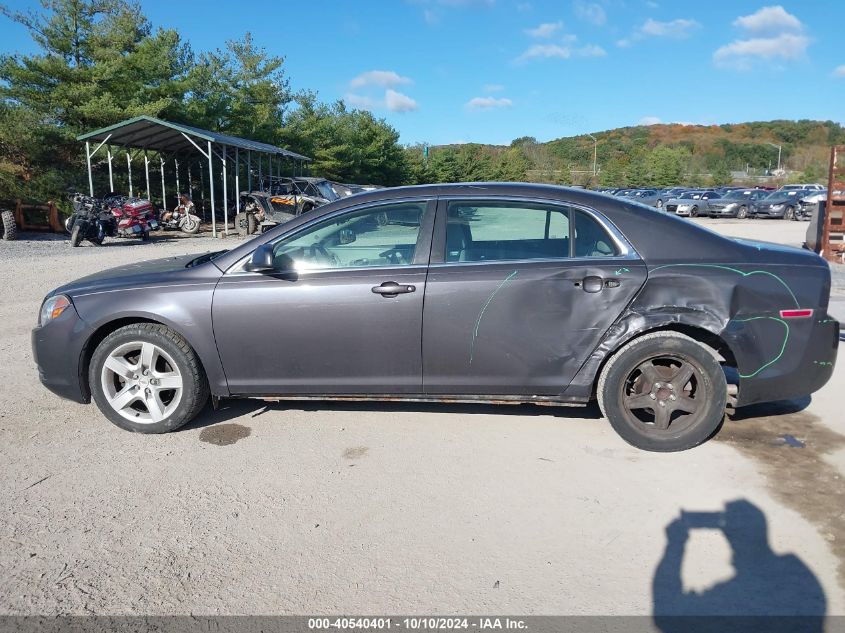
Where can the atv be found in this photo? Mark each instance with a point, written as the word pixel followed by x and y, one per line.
pixel 279 201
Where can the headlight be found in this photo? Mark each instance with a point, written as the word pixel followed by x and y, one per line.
pixel 52 308
pixel 731 206
pixel 683 207
pixel 776 207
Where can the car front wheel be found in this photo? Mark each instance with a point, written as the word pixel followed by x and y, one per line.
pixel 742 213
pixel 147 379
pixel 663 392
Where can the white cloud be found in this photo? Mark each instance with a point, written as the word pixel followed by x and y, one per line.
pixel 740 54
pixel 382 78
pixel 590 50
pixel 361 102
pixel 839 71
pixel 675 29
pixel 555 51
pixel 650 120
pixel 545 30
pixel 779 37
pixel 487 103
pixel 545 51
pixel 398 102
pixel 493 87
pixel 589 12
pixel 773 19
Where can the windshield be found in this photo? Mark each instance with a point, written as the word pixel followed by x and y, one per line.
pixel 326 190
pixel 737 195
pixel 782 194
pixel 691 195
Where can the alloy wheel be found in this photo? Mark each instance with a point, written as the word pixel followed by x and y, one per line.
pixel 663 394
pixel 142 382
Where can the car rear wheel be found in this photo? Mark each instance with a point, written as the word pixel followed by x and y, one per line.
pixel 742 212
pixel 147 379
pixel 245 223
pixel 663 392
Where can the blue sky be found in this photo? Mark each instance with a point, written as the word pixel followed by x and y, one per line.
pixel 447 71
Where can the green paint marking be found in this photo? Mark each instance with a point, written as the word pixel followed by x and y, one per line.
pixel 782 347
pixel 739 272
pixel 483 308
pixel 822 322
pixel 823 363
pixel 622 270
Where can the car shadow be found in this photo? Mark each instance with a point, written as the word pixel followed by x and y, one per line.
pixel 230 409
pixel 768 592
pixel 769 409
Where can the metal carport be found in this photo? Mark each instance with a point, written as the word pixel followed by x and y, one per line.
pixel 172 141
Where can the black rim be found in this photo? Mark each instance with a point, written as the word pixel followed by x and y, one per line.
pixel 663 394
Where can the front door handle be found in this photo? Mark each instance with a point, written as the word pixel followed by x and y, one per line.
pixel 391 289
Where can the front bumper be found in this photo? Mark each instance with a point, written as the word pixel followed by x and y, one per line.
pixel 58 350
pixel 766 212
pixel 782 359
pixel 723 212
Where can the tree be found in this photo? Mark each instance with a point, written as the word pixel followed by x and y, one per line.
pixel 721 175
pixel 99 62
pixel 240 90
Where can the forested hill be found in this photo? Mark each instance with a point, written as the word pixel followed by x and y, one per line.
pixel 655 155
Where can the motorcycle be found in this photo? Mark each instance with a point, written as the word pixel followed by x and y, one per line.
pixel 135 217
pixel 90 221
pixel 182 221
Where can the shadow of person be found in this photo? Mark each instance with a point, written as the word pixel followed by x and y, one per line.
pixel 768 592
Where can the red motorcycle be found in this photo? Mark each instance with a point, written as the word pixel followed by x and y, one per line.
pixel 135 217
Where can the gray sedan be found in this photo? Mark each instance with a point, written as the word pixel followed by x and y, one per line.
pixel 501 293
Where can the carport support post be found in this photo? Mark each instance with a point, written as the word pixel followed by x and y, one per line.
pixel 211 189
pixel 129 169
pixel 111 179
pixel 237 181
pixel 147 172
pixel 176 167
pixel 249 170
pixel 90 177
pixel 225 193
pixel 163 191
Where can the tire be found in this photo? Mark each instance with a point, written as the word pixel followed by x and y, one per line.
pixel 76 234
pixel 191 225
pixel 659 204
pixel 693 212
pixel 789 213
pixel 69 222
pixel 742 212
pixel 245 224
pixel 145 236
pixel 622 381
pixel 173 360
pixel 9 226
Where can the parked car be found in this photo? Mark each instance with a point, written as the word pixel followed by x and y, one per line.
pixel 782 203
pixel 804 187
pixel 692 203
pixel 650 197
pixel 734 203
pixel 517 293
pixel 808 204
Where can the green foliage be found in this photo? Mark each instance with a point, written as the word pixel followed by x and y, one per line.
pixel 721 176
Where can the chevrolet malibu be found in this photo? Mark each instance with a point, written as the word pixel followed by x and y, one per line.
pixel 503 293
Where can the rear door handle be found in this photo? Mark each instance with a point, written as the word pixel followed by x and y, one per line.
pixel 391 289
pixel 592 283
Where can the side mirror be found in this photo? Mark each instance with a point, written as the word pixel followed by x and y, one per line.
pixel 261 260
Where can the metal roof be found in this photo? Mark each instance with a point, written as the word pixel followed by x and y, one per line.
pixel 146 132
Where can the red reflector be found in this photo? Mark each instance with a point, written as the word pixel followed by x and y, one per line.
pixel 796 314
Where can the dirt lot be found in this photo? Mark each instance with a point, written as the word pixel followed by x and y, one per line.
pixel 313 508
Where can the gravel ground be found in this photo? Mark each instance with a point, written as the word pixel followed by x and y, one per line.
pixel 386 508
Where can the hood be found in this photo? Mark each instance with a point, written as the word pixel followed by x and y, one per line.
pixel 152 272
